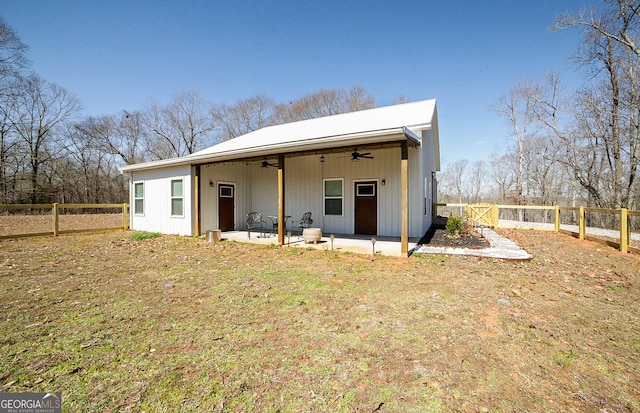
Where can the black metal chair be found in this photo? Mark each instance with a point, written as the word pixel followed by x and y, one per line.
pixel 304 222
pixel 255 221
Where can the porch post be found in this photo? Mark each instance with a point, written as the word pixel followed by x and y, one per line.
pixel 281 223
pixel 404 199
pixel 196 200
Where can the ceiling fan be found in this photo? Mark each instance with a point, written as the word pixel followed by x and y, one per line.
pixel 266 164
pixel 355 155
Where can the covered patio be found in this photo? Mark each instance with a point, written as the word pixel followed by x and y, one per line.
pixel 366 172
pixel 357 244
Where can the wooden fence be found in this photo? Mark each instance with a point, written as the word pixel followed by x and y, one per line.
pixel 620 228
pixel 55 214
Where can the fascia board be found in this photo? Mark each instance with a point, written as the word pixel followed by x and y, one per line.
pixel 356 139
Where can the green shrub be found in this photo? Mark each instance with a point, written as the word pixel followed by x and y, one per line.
pixel 454 226
pixel 142 235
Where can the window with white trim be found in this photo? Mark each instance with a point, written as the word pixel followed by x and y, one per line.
pixel 333 196
pixel 427 185
pixel 138 198
pixel 177 200
pixel 226 191
pixel 365 190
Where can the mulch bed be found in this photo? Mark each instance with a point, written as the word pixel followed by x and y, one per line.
pixel 437 237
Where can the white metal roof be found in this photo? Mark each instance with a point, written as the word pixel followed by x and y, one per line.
pixel 402 121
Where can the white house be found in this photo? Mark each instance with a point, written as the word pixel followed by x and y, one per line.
pixel 364 172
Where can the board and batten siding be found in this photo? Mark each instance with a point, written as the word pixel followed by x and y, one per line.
pixel 211 176
pixel 305 193
pixel 157 201
pixel 257 190
pixel 428 167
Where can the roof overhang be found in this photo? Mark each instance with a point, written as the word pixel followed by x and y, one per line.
pixel 366 138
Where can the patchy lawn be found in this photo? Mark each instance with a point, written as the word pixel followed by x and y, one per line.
pixel 177 324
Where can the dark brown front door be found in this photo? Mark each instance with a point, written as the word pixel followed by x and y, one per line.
pixel 226 206
pixel 366 208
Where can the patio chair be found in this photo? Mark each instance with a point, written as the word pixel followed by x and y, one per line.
pixel 304 222
pixel 254 220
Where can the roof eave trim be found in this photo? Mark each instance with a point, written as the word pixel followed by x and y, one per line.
pixel 357 138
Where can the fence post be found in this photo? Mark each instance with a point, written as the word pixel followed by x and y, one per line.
pixel 557 219
pixel 624 230
pixel 581 224
pixel 55 219
pixel 495 215
pixel 125 217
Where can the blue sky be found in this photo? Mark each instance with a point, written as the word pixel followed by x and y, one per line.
pixel 117 55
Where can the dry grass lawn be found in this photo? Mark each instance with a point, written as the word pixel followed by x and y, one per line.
pixel 175 324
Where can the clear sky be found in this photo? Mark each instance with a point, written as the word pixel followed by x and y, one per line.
pixel 118 54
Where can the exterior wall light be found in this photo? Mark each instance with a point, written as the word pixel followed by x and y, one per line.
pixel 322 159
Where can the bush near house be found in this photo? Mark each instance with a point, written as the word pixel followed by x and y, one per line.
pixel 454 226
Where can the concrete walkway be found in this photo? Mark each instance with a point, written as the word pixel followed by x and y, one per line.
pixel 501 248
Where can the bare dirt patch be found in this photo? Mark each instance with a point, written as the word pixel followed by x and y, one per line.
pixel 177 324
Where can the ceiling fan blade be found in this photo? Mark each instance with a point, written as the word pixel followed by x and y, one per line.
pixel 366 156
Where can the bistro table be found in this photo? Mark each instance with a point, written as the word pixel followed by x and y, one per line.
pixel 274 222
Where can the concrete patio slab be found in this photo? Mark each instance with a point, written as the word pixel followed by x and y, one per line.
pixel 501 247
pixel 357 244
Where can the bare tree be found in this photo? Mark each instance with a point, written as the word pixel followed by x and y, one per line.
pixel 324 102
pixel 8 144
pixel 83 171
pixel 618 24
pixel 125 136
pixel 13 55
pixel 516 108
pixel 609 112
pixel 13 62
pixel 400 99
pixel 502 173
pixel 476 180
pixel 243 117
pixel 358 98
pixel 453 179
pixel 37 109
pixel 180 128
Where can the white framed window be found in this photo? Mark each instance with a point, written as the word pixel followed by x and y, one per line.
pixel 177 200
pixel 365 190
pixel 138 198
pixel 226 191
pixel 333 196
pixel 427 184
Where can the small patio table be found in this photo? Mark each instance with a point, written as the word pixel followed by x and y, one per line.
pixel 274 221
